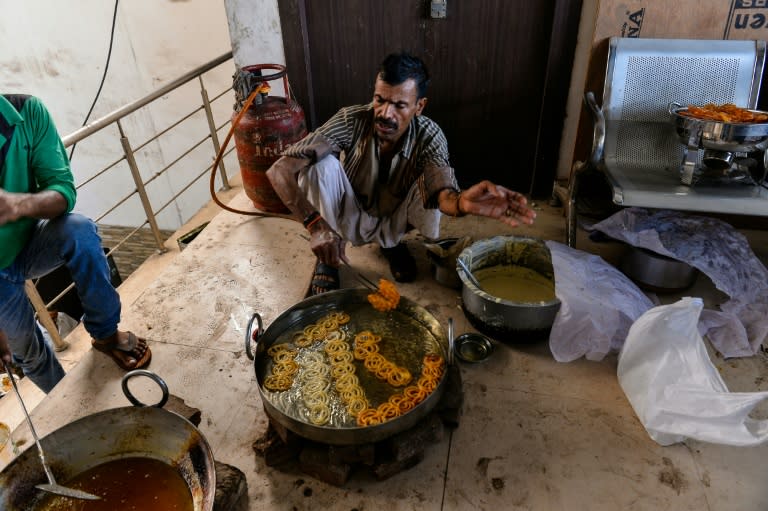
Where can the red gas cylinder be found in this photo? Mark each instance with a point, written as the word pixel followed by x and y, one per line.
pixel 267 128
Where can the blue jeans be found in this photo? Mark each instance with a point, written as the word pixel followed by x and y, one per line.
pixel 70 240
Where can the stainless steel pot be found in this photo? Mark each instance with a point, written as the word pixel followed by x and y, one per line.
pixel 718 135
pixel 133 431
pixel 502 319
pixel 655 272
pixel 408 328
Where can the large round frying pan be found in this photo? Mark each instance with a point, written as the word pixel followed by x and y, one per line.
pixel 133 431
pixel 408 332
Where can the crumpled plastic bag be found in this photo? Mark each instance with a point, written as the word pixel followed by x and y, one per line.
pixel 674 388
pixel 598 304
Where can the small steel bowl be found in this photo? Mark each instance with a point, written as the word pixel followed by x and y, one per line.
pixel 472 347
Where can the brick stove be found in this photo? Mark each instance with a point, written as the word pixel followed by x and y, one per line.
pixel 335 464
pixel 231 486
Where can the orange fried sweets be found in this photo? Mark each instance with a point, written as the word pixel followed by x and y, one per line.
pixel 386 298
pixel 410 397
pixel 727 112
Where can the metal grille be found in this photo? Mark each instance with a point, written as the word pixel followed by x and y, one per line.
pixel 652 82
pixel 648 145
pixel 645 137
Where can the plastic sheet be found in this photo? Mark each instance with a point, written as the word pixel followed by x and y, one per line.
pixel 674 388
pixel 598 305
pixel 719 251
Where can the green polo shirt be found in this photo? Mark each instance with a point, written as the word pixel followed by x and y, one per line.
pixel 36 161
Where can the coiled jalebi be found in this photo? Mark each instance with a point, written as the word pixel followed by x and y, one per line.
pixel 386 297
pixel 284 367
pixel 367 350
pixel 403 402
pixel 315 381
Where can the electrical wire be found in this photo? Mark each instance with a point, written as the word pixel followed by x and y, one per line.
pixel 103 76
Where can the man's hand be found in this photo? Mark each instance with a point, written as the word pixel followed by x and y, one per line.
pixel 494 201
pixel 5 349
pixel 327 245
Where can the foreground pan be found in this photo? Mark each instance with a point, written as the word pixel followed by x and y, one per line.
pixel 132 431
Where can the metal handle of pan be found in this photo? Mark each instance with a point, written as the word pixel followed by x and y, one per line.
pixel 450 341
pixel 253 336
pixel 673 107
pixel 152 376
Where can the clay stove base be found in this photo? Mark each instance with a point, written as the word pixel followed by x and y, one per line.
pixel 231 489
pixel 335 464
pixel 231 485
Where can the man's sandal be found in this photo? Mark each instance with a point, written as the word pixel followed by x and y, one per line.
pixel 325 278
pixel 128 360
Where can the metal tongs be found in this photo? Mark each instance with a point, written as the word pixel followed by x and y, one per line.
pixel 365 281
pixel 52 486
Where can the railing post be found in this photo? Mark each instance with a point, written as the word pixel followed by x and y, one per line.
pixel 214 135
pixel 128 151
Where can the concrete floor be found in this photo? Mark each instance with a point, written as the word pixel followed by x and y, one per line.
pixel 534 434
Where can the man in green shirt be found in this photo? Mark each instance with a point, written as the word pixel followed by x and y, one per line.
pixel 38 233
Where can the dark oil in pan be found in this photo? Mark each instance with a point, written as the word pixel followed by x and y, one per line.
pixel 128 484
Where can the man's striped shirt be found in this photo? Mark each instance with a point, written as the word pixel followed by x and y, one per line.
pixel 349 135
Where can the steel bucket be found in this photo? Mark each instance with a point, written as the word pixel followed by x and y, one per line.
pixel 506 320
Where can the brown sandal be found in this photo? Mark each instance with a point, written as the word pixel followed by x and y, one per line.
pixel 128 360
pixel 325 278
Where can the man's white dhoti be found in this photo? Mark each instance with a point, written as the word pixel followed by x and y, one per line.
pixel 326 186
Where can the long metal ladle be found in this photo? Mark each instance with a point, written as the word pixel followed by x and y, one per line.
pixel 52 486
pixel 469 274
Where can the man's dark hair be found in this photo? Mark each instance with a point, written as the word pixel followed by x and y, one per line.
pixel 399 67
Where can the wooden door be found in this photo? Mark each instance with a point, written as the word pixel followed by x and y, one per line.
pixel 500 71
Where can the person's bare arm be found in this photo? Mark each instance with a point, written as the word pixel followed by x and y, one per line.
pixel 326 244
pixel 283 175
pixel 43 204
pixel 487 199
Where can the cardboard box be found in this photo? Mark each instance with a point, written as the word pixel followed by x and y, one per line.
pixel 680 19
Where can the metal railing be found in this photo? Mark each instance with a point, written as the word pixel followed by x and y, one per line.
pixel 128 156
pixel 129 152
